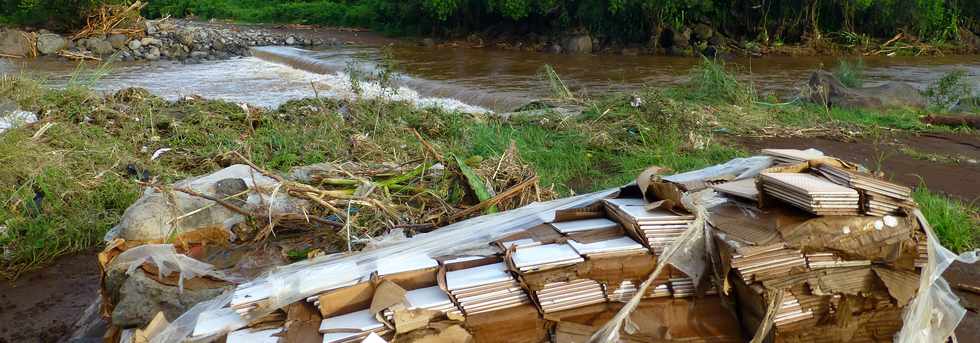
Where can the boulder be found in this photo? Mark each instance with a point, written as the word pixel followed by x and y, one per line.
pixel 152 54
pixel 118 41
pixel 138 297
pixel 14 42
pixel 824 88
pixel 577 44
pixel 100 47
pixel 290 40
pixel 679 38
pixel 150 41
pixel 50 43
pixel 135 45
pixel 153 215
pixel 186 36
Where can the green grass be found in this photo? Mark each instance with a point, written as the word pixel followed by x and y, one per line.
pixel 79 166
pixel 954 222
pixel 850 73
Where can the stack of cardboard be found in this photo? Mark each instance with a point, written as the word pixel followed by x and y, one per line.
pixel 626 289
pixel 880 197
pixel 428 298
pixel 559 296
pixel 830 275
pixel 792 156
pixel 658 227
pixel 759 263
pixel 811 193
pixel 545 257
pixel 618 246
pixel 351 327
pixel 484 289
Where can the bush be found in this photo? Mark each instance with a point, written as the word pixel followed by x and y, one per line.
pixel 54 14
pixel 849 73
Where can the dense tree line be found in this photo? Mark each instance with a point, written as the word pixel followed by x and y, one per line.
pixel 621 20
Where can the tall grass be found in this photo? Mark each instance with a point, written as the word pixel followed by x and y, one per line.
pixel 955 223
pixel 850 73
pixel 710 80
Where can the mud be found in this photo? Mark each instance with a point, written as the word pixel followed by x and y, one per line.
pixel 43 306
pixel 955 175
pixel 959 275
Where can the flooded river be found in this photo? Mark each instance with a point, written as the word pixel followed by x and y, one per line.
pixel 458 78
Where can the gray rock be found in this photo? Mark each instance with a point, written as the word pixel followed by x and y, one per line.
pixel 555 49
pixel 152 215
pixel 14 42
pixel 290 40
pixel 100 47
pixel 186 36
pixel 199 54
pixel 824 88
pixel 118 41
pixel 680 38
pixel 139 298
pixel 428 43
pixel 50 43
pixel 577 44
pixel 135 45
pixel 152 54
pixel 148 41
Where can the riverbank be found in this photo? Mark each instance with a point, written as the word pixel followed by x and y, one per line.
pixel 89 156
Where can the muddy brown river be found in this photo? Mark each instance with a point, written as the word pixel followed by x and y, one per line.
pixel 458 78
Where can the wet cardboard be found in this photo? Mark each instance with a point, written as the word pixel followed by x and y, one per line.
pixel 516 324
pixel 302 323
pixel 657 320
pixel 348 299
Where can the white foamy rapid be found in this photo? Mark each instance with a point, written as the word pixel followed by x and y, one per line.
pixel 248 80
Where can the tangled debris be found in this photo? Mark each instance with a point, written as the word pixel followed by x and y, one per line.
pixel 750 249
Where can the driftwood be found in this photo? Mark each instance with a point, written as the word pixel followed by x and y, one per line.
pixel 953 120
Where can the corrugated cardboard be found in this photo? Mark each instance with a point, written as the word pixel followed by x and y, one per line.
pixel 302 323
pixel 347 299
pixel 657 320
pixel 414 279
pixel 521 324
pixel 613 270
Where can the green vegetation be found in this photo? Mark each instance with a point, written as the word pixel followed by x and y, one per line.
pixel 62 188
pixel 850 73
pixel 950 90
pixel 954 222
pixel 846 22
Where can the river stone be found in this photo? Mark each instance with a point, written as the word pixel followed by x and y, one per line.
pixel 139 298
pixel 290 40
pixel 118 41
pixel 153 215
pixel 199 55
pixel 152 54
pixel 577 44
pixel 14 42
pixel 135 45
pixel 50 43
pixel 148 41
pixel 824 88
pixel 186 36
pixel 100 47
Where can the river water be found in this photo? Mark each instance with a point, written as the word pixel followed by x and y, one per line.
pixel 457 78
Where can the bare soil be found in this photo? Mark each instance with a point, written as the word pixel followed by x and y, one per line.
pixel 43 306
pixel 956 176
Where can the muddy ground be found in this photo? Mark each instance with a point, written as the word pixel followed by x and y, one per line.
pixel 954 171
pixel 44 305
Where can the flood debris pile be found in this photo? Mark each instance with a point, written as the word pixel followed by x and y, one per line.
pixel 749 249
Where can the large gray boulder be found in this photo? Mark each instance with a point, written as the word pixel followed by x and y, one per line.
pixel 118 41
pixel 577 44
pixel 824 88
pixel 100 47
pixel 50 43
pixel 138 297
pixel 155 215
pixel 14 42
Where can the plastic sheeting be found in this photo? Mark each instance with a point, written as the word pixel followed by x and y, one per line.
pixel 182 328
pixel 936 311
pixel 297 281
pixel 167 261
pixel 742 168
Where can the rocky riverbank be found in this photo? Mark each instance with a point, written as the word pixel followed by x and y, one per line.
pixel 166 39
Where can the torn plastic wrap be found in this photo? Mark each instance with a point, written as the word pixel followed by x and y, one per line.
pixel 297 281
pixel 741 168
pixel 167 261
pixel 182 327
pixel 935 312
pixel 687 254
